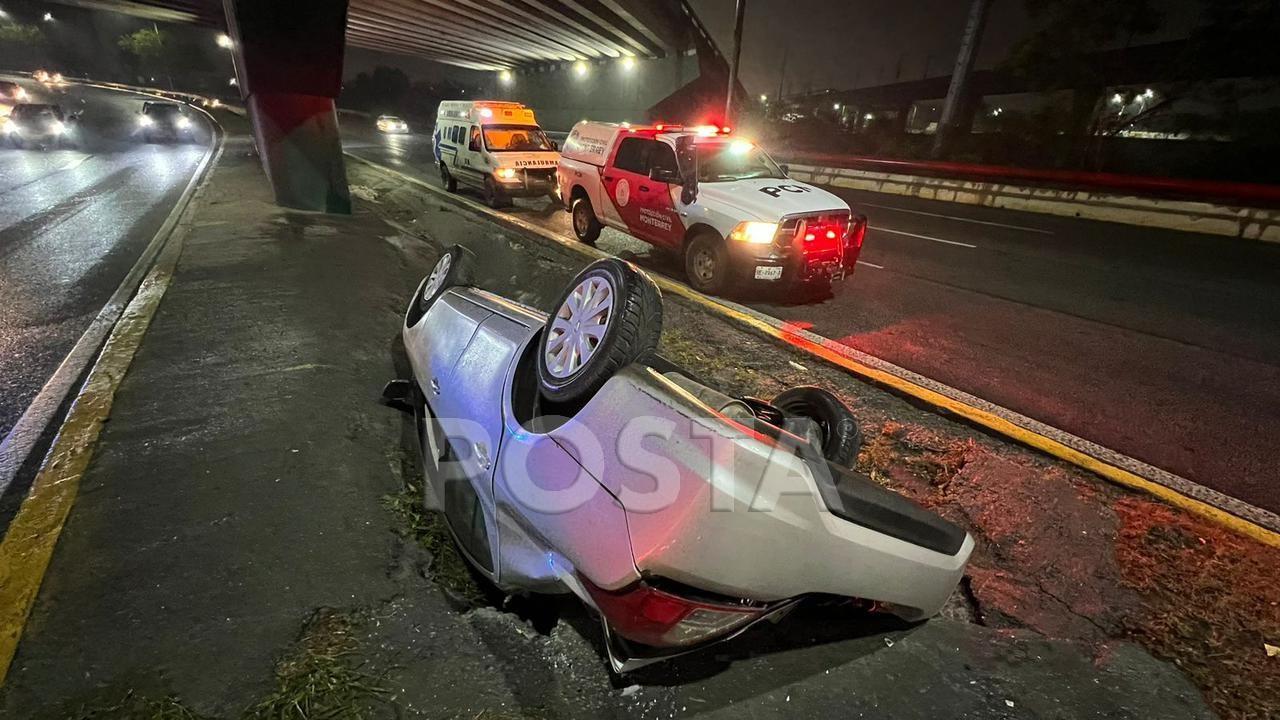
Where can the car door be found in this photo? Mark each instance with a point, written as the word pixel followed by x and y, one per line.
pixel 641 206
pixel 469 409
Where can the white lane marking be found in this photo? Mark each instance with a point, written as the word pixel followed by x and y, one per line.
pixel 864 262
pixel 960 219
pixel 922 237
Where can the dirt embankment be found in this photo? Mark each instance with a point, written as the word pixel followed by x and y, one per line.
pixel 1059 550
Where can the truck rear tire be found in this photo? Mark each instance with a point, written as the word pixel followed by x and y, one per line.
pixel 706 263
pixel 586 226
pixel 447 179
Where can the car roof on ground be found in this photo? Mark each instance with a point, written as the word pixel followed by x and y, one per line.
pixel 153 105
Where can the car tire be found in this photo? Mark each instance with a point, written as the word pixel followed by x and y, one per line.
pixel 447 179
pixel 454 267
pixel 706 263
pixel 841 436
pixel 493 196
pixel 627 332
pixel 586 226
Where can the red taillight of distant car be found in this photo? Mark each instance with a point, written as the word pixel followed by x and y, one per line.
pixel 649 616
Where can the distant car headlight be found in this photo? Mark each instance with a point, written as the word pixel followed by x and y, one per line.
pixel 145 121
pixel 184 123
pixel 505 173
pixel 21 94
pixel 58 127
pixel 757 233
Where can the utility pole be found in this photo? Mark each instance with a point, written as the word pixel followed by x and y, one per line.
pixel 782 71
pixel 739 11
pixel 960 76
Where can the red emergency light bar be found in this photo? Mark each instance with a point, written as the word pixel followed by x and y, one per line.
pixel 703 130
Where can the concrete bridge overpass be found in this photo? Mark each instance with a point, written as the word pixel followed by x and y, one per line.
pixel 606 59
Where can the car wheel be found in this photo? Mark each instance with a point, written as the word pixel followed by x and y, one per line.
pixel 493 196
pixel 840 437
pixel 447 179
pixel 706 263
pixel 586 226
pixel 454 267
pixel 609 316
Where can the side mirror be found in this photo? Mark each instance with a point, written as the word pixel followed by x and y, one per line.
pixel 687 160
pixel 664 175
pixel 786 169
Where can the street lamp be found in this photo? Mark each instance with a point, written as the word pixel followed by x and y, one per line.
pixel 764 98
pixel 225 42
pixel 836 107
pixel 48 17
pixel 504 77
pixel 580 69
pixel 628 63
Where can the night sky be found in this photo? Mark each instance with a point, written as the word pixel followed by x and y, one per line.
pixel 857 43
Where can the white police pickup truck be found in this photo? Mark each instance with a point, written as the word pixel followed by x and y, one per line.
pixel 722 203
pixel 496 147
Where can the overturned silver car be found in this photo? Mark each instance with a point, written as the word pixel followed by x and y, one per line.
pixel 567 456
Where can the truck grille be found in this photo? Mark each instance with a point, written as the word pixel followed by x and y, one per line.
pixel 819 235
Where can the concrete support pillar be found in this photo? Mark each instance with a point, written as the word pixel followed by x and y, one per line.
pixel 289 64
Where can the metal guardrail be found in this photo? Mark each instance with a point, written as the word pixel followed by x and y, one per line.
pixel 1179 188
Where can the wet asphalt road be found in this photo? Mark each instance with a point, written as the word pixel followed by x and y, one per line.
pixel 73 221
pixel 1160 345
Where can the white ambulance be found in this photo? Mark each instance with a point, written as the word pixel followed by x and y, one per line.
pixel 722 203
pixel 496 147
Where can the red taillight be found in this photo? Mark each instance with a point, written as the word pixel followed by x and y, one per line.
pixel 646 615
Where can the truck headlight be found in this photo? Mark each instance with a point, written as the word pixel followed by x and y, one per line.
pixel 145 121
pixel 756 233
pixel 505 173
pixel 58 127
pixel 184 123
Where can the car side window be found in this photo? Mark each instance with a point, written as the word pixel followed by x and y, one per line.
pixel 663 157
pixel 475 139
pixel 633 155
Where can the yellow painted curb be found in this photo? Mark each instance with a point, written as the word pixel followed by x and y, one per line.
pixel 29 542
pixel 984 418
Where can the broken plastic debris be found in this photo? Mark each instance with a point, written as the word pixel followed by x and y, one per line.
pixel 630 690
pixel 888 642
pixel 1272 650
pixel 1009 703
pixel 797 366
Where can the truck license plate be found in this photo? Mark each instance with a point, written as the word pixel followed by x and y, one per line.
pixel 768 273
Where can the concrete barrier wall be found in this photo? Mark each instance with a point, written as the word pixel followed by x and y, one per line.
pixel 1246 223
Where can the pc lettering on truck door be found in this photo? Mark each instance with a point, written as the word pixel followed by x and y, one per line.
pixel 644 206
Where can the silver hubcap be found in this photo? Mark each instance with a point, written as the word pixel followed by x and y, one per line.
pixel 704 266
pixel 438 274
pixel 579 327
